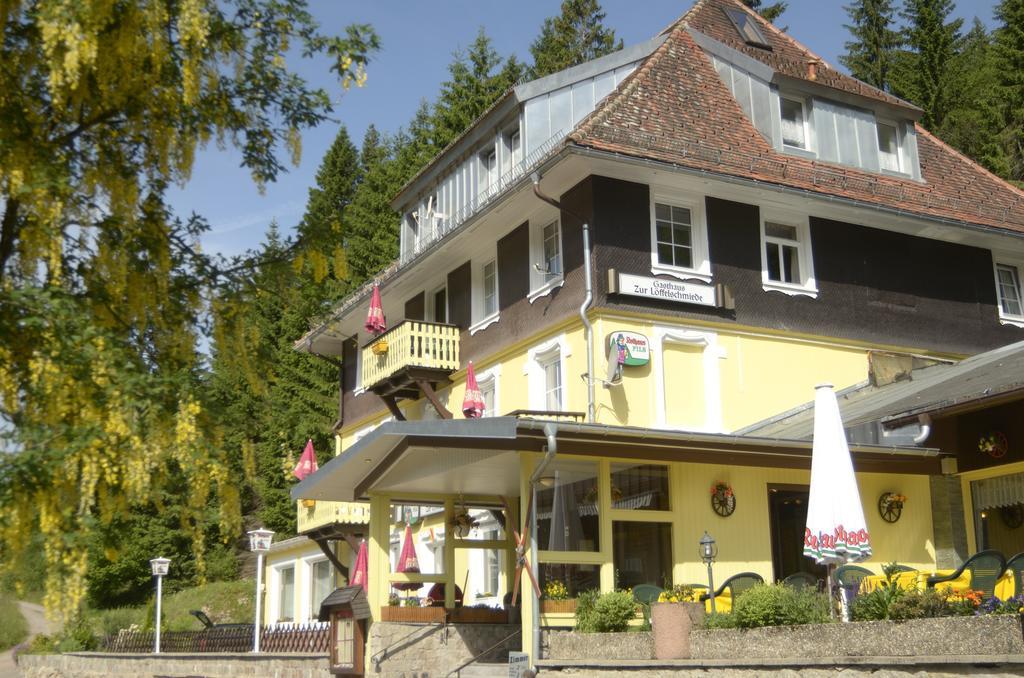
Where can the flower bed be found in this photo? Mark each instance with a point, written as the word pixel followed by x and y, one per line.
pixel 412 613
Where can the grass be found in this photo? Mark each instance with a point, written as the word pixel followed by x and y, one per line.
pixel 224 602
pixel 13 627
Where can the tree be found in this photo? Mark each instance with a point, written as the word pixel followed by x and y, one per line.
pixel 1009 66
pixel 869 56
pixel 372 242
pixel 102 290
pixel 769 12
pixel 576 35
pixel 935 45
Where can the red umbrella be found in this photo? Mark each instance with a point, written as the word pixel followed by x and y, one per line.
pixel 375 323
pixel 360 571
pixel 307 462
pixel 407 563
pixel 473 404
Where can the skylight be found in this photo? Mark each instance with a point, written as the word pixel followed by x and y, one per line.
pixel 746 27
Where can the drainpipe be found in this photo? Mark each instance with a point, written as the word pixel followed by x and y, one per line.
pixel 550 430
pixel 925 420
pixel 588 329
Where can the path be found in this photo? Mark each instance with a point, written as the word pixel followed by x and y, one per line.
pixel 36 624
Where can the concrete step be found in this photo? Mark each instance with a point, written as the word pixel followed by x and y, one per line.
pixel 485 670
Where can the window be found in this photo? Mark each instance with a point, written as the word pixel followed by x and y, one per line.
pixel 794 123
pixel 485 299
pixel 568 508
pixel 545 370
pixel 439 305
pixel 552 251
pixel 785 255
pixel 490 298
pixel 679 240
pixel 488 170
pixel 321 585
pixel 286 594
pixel 487 382
pixel 553 384
pixel 546 248
pixel 746 27
pixel 1011 306
pixel 889 147
pixel 492 565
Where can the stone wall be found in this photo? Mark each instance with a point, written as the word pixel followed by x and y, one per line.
pixel 407 650
pixel 875 667
pixel 208 665
pixel 572 645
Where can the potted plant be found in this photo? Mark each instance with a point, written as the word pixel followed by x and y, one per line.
pixel 556 599
pixel 675 613
pixel 411 609
pixel 379 347
pixel 478 614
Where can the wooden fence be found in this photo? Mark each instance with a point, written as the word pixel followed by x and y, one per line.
pixel 235 638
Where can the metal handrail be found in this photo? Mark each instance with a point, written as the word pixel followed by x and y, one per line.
pixel 476 658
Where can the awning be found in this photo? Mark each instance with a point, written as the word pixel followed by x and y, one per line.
pixel 997 492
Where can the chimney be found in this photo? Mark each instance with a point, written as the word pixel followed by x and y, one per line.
pixel 812 68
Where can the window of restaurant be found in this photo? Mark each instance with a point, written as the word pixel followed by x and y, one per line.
pixel 642 487
pixel 642 554
pixel 999 513
pixel 567 507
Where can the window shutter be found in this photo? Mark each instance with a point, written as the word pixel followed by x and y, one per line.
pixel 911 163
pixel 824 116
pixel 867 138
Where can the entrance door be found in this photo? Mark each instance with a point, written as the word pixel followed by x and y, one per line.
pixel 787 505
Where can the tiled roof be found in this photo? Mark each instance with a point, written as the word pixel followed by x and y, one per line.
pixel 675 109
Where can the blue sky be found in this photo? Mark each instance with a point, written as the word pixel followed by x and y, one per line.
pixel 418 40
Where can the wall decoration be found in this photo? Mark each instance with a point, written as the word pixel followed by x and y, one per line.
pixel 890 506
pixel 632 349
pixel 723 499
pixel 1012 516
pixel 994 444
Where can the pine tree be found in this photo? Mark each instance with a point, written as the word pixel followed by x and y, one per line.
pixel 769 12
pixel 869 56
pixel 1009 66
pixel 372 240
pixel 576 35
pixel 935 45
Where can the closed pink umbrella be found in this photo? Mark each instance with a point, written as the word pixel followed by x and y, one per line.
pixel 307 465
pixel 473 404
pixel 361 570
pixel 408 563
pixel 375 322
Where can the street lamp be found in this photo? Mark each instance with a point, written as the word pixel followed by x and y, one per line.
pixel 259 543
pixel 159 566
pixel 708 551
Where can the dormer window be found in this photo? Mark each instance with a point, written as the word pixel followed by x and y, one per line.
pixel 794 123
pixel 488 170
pixel 1008 287
pixel 747 28
pixel 889 147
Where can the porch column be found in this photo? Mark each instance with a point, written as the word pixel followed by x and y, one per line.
pixel 526 464
pixel 948 522
pixel 378 554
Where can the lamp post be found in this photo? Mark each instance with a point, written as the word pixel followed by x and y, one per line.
pixel 159 567
pixel 259 543
pixel 708 551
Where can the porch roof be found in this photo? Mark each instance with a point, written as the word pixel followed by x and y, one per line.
pixel 480 456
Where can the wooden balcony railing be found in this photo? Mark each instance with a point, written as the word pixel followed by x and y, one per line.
pixel 410 345
pixel 322 513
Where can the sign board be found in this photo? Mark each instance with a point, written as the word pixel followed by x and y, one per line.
pixel 668 290
pixel 518 663
pixel 630 348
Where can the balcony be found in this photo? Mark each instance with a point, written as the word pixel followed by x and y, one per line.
pixel 408 361
pixel 330 514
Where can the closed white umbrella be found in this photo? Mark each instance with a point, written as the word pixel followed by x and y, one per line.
pixel 836 531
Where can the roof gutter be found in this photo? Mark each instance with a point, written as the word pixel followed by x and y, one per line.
pixel 586 151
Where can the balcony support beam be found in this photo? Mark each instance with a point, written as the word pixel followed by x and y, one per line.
pixel 325 546
pixel 392 404
pixel 428 391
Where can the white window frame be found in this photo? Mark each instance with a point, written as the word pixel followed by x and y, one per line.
pixel 1017 264
pixel 900 168
pixel 358 388
pixel 540 285
pixel 805 112
pixel 306 607
pixel 490 379
pixel 698 238
pixel 808 285
pixel 536 359
pixel 481 319
pixel 274 602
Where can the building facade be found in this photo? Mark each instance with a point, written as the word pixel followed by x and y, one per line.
pixel 643 256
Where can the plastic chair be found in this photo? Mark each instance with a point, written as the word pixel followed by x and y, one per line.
pixel 1016 565
pixel 737 584
pixel 903 568
pixel 646 593
pixel 801 580
pixel 849 576
pixel 985 567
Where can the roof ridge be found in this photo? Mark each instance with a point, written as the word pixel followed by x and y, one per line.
pixel 970 162
pixel 684 19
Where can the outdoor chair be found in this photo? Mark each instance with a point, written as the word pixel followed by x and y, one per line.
pixel 903 568
pixel 1016 566
pixel 646 593
pixel 849 575
pixel 986 567
pixel 800 581
pixel 737 584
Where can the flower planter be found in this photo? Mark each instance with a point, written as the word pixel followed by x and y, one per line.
pixel 558 606
pixel 308 503
pixel 477 615
pixel 379 347
pixel 420 615
pixel 671 624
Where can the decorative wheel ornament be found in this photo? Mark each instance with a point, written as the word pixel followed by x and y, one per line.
pixel 994 444
pixel 1012 516
pixel 890 506
pixel 723 499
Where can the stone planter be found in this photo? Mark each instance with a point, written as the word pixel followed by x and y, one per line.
pixel 671 624
pixel 601 646
pixel 406 613
pixel 558 606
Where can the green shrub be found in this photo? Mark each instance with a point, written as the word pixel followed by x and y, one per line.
pixel 612 612
pixel 778 605
pixel 585 602
pixel 719 620
pixel 43 644
pixel 109 622
pixel 78 635
pixel 13 627
pixel 919 605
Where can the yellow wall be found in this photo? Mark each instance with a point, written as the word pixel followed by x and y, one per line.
pixel 295 555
